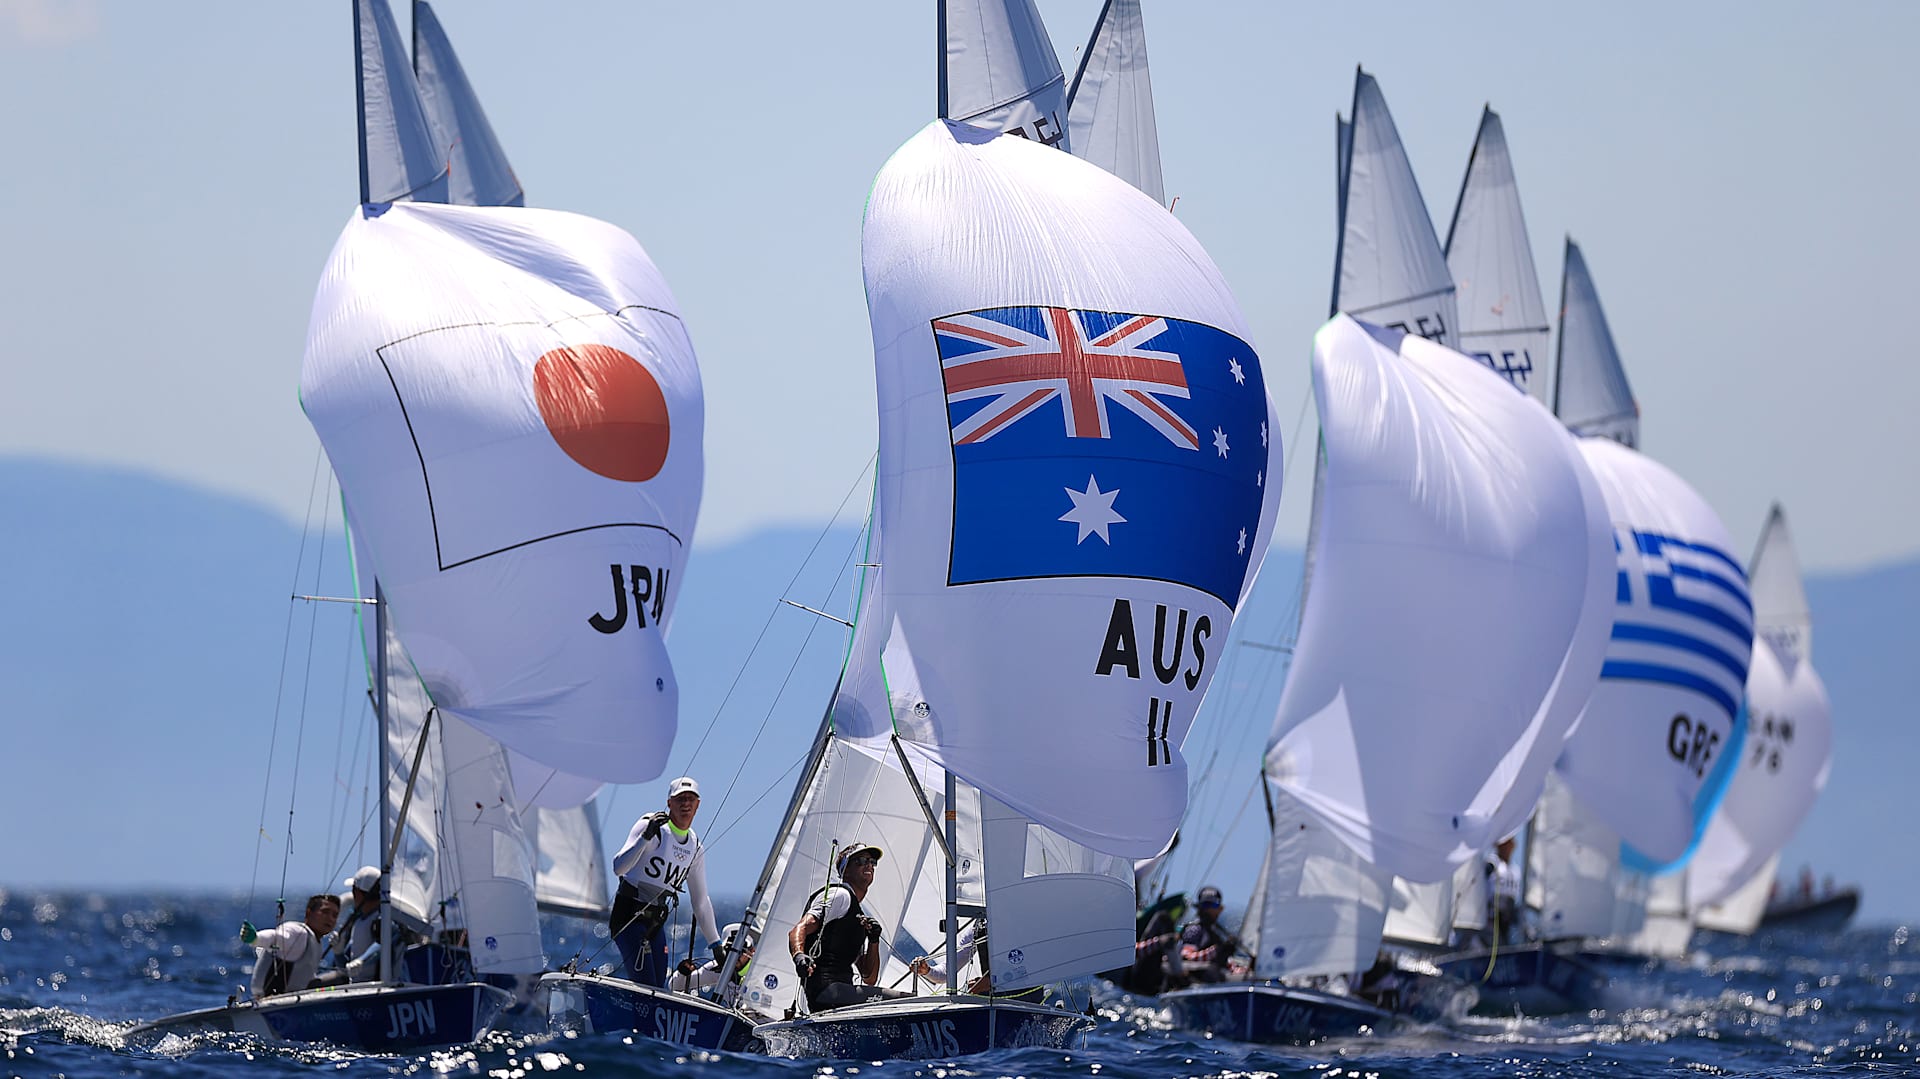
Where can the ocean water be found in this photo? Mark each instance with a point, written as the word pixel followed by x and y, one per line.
pixel 76 969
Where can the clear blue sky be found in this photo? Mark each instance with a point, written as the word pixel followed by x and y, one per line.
pixel 1739 175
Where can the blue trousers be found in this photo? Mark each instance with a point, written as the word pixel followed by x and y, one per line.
pixel 645 953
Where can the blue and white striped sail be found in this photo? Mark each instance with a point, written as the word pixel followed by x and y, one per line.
pixel 403 156
pixel 479 172
pixel 1657 740
pixel 1590 391
pixel 1110 119
pixel 1503 318
pixel 1448 501
pixel 1389 269
pixel 998 70
pixel 1789 749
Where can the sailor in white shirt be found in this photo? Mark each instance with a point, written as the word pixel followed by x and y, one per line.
pixel 290 954
pixel 1503 896
pixel 688 978
pixel 661 857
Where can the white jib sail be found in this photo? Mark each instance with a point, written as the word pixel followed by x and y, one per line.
pixel 1573 867
pixel 1740 913
pixel 570 870
pixel 1421 913
pixel 1110 119
pixel 1503 317
pixel 1323 908
pixel 514 413
pixel 1449 501
pixel 1782 768
pixel 1590 391
pixel 1389 269
pixel 1667 927
pixel 998 70
pixel 1077 478
pixel 1057 909
pixel 1663 718
pixel 1781 616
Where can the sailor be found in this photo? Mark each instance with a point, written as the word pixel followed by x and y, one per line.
pixel 1206 946
pixel 1503 895
pixel 1156 954
pixel 835 939
pixel 290 954
pixel 354 952
pixel 662 856
pixel 688 978
pixel 971 938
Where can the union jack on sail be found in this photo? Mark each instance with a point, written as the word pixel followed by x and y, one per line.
pixel 1084 368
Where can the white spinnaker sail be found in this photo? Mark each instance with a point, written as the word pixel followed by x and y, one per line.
pixel 406 156
pixel 477 165
pixel 1076 477
pixel 1449 501
pixel 509 401
pixel 1590 391
pixel 1503 317
pixel 998 70
pixel 1573 867
pixel 1782 769
pixel 1740 913
pixel 1650 754
pixel 1323 907
pixel 1110 119
pixel 1781 615
pixel 1390 269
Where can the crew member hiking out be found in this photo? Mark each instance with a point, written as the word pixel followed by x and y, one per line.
pixel 662 855
pixel 835 940
pixel 290 953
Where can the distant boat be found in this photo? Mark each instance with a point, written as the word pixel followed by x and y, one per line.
pixel 1808 914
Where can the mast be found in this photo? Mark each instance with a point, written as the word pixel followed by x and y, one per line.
pixel 386 815
pixel 953 887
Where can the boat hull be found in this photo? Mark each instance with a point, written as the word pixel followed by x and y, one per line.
pixel 1272 1014
pixel 592 1004
pixel 373 1018
pixel 1533 979
pixel 1829 915
pixel 924 1028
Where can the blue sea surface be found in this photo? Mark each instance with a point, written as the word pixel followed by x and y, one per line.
pixel 77 969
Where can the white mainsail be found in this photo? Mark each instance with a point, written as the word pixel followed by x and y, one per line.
pixel 509 400
pixel 1503 318
pixel 1590 391
pixel 1389 269
pixel 1110 119
pixel 998 70
pixel 1789 748
pixel 1573 867
pixel 405 156
pixel 1654 745
pixel 1740 913
pixel 477 165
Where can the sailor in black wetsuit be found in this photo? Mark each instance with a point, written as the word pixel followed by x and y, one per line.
pixel 835 939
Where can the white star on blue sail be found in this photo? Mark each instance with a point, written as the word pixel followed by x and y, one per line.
pixel 1093 512
pixel 1220 440
pixel 1239 375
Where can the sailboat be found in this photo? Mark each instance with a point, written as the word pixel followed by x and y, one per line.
pixel 1074 492
pixel 1446 618
pixel 1789 749
pixel 1657 741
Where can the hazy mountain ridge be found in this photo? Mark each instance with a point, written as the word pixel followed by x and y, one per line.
pixel 148 622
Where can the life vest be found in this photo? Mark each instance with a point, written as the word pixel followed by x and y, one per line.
pixel 837 945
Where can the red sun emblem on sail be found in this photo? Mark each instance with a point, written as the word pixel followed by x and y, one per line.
pixel 604 409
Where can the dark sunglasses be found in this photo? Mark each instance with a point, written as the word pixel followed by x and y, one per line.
pixel 862 859
pixel 1210 905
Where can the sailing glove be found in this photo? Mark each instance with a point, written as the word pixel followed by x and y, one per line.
pixel 719 951
pixel 655 821
pixel 803 964
pixel 872 926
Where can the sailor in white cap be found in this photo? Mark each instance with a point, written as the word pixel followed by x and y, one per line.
pixel 662 856
pixel 354 952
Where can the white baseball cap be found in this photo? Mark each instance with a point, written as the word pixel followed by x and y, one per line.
pixel 683 785
pixel 366 878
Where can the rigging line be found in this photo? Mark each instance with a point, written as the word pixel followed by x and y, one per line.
pixel 1244 802
pixel 771 787
pixel 280 683
pixel 713 720
pixel 798 654
pixel 339 843
pixel 306 683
